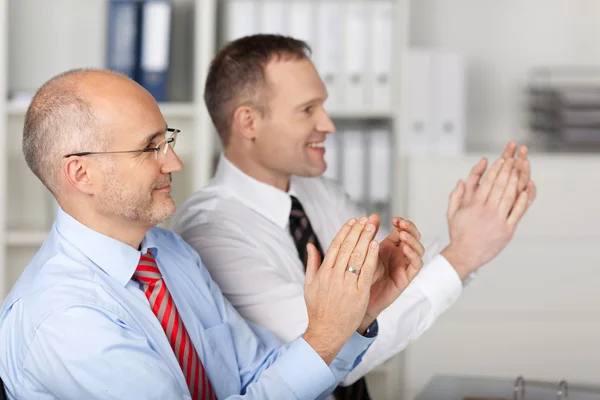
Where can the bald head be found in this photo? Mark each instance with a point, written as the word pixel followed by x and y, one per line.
pixel 72 112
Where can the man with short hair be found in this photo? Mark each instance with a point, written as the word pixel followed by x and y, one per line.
pixel 112 307
pixel 250 224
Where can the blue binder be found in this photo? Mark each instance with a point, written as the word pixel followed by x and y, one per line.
pixel 123 36
pixel 155 47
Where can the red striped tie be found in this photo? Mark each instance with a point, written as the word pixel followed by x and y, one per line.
pixel 165 310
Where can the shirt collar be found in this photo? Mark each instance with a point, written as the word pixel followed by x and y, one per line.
pixel 269 201
pixel 114 257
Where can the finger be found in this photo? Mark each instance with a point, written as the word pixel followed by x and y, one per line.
pixel 510 194
pixel 531 193
pixel 509 150
pixel 312 263
pixel 357 258
pixel 523 166
pixel 456 197
pixel 501 183
pixel 347 247
pixel 375 220
pixel 415 262
pixel 368 268
pixel 395 233
pixel 473 179
pixel 518 211
pixel 336 243
pixel 408 226
pixel 412 242
pixel 484 189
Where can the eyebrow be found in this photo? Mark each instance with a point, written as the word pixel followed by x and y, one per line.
pixel 311 101
pixel 151 137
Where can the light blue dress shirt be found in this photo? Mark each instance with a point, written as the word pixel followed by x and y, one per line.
pixel 76 326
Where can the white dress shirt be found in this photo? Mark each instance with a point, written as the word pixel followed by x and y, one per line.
pixel 239 226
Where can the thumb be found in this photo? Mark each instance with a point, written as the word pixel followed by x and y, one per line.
pixel 456 198
pixel 313 260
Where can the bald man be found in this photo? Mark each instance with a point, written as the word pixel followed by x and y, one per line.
pixel 112 307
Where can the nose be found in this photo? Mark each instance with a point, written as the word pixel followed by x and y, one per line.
pixel 324 123
pixel 171 162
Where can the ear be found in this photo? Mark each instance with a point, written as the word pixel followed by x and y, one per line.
pixel 79 173
pixel 245 119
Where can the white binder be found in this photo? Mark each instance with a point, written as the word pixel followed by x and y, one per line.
pixel 273 18
pixel 380 74
pixel 240 19
pixel 417 102
pixel 353 155
pixel 380 165
pixel 332 156
pixel 301 21
pixel 449 125
pixel 355 54
pixel 433 103
pixel 327 49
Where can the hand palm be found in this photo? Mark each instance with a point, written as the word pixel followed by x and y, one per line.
pixel 391 275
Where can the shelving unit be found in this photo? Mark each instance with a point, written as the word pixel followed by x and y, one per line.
pixel 3 139
pixel 78 40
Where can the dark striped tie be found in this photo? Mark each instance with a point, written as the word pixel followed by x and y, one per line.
pixel 161 302
pixel 302 232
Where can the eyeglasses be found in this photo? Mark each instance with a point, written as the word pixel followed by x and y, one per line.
pixel 160 151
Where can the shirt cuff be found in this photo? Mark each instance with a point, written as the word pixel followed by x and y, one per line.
pixel 304 370
pixel 354 349
pixel 441 284
pixel 372 330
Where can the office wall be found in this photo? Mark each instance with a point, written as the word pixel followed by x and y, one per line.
pixel 503 40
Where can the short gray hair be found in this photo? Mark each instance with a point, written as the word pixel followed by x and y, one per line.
pixel 59 121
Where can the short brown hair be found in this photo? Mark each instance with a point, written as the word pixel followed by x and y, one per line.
pixel 238 71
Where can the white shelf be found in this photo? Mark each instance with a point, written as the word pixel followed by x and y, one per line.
pixel 189 110
pixel 169 110
pixel 360 113
pixel 185 110
pixel 16 108
pixel 24 238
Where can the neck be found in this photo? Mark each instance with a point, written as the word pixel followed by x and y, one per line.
pixel 257 171
pixel 118 229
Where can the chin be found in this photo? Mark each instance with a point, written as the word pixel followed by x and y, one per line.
pixel 309 173
pixel 311 170
pixel 169 208
pixel 162 212
pixel 319 170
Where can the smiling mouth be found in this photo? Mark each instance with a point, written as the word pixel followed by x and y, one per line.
pixel 165 186
pixel 316 145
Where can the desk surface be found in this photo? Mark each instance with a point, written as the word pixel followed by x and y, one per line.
pixel 449 387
